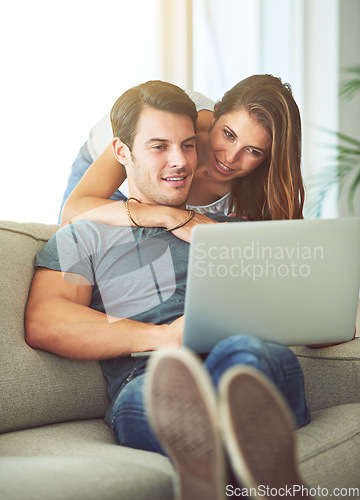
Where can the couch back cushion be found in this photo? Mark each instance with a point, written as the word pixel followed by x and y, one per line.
pixel 37 387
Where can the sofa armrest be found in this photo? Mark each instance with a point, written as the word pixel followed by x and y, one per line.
pixel 332 374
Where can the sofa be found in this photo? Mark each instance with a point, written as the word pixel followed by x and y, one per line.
pixel 55 445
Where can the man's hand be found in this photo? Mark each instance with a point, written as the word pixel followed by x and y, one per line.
pixel 174 332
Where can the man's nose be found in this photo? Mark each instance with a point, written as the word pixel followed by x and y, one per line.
pixel 177 157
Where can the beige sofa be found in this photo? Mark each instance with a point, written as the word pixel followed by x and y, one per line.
pixel 54 444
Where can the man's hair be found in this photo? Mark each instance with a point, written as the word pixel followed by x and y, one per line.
pixel 154 94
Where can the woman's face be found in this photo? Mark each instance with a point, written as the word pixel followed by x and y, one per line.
pixel 237 145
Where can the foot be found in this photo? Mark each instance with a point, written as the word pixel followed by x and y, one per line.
pixel 182 409
pixel 258 432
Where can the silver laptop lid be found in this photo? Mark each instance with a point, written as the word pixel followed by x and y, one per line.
pixel 293 282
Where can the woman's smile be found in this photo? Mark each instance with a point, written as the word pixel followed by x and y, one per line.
pixel 222 168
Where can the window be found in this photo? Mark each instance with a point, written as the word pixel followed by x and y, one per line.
pixel 63 65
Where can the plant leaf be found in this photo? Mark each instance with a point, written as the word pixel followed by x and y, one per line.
pixel 350 87
pixel 352 191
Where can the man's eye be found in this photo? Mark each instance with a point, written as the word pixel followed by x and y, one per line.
pixel 159 148
pixel 189 146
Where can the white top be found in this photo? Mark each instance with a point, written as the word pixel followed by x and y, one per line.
pixel 221 205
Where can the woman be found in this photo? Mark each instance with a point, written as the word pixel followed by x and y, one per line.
pixel 249 153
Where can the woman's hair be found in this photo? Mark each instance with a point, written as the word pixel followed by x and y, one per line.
pixel 154 94
pixel 274 190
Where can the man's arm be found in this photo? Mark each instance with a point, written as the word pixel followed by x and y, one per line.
pixel 58 319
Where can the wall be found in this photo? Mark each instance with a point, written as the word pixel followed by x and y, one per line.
pixel 331 43
pixel 349 110
pixel 63 64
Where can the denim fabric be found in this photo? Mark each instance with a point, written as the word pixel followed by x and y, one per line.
pixel 128 417
pixel 277 362
pixel 78 169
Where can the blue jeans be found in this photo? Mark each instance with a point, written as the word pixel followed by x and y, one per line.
pixel 81 164
pixel 128 416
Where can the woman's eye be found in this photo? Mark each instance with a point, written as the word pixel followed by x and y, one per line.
pixel 254 152
pixel 228 134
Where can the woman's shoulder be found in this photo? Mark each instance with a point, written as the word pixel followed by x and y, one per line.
pixel 203 123
pixel 201 101
pixel 100 137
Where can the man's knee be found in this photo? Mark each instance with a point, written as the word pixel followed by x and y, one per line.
pixel 255 347
pixel 242 342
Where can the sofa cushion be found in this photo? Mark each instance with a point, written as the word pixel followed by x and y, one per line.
pixel 75 478
pixel 332 374
pixel 329 450
pixel 37 387
pixel 77 460
pixel 81 438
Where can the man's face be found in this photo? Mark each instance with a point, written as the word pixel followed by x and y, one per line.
pixel 163 158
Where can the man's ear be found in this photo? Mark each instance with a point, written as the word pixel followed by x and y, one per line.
pixel 121 151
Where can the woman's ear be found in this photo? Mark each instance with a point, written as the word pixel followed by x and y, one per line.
pixel 121 151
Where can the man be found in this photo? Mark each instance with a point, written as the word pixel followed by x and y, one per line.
pixel 104 292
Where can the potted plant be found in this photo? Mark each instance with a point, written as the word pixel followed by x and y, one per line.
pixel 344 167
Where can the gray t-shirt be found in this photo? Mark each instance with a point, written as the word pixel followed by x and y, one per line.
pixel 135 273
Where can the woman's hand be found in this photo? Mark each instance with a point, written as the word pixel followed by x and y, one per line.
pixel 184 232
pixel 167 217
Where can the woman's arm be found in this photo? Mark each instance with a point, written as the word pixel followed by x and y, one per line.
pixel 90 197
pixel 90 200
pixel 145 215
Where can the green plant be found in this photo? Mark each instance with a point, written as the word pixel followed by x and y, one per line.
pixel 343 168
pixel 349 87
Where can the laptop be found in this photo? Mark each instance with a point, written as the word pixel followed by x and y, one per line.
pixel 290 282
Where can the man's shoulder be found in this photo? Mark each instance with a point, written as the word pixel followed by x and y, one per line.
pixel 88 228
pixel 82 233
pixel 97 237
